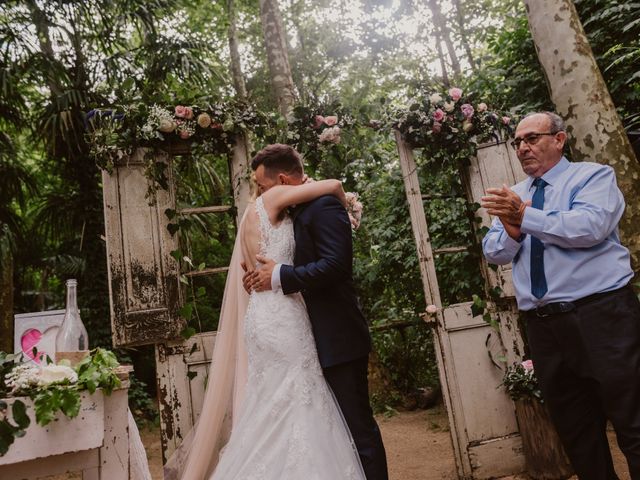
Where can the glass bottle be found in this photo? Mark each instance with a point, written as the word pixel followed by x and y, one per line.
pixel 72 336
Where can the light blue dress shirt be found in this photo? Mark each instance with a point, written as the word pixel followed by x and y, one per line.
pixel 578 226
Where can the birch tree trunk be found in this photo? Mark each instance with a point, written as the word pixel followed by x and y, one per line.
pixel 277 55
pixel 582 99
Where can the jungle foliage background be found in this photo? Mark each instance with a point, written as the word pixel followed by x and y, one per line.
pixel 59 59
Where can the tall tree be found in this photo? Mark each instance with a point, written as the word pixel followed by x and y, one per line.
pixel 440 24
pixel 236 65
pixel 581 97
pixel 277 55
pixel 462 32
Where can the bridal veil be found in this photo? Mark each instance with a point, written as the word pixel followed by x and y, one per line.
pixel 197 456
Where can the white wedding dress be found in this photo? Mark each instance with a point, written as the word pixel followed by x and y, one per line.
pixel 289 426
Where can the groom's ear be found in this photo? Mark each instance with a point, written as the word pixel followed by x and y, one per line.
pixel 282 179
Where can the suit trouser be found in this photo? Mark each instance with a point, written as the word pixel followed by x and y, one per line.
pixel 587 362
pixel 351 388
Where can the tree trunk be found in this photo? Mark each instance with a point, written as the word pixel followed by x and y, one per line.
pixel 443 62
pixel 582 99
pixel 277 55
pixel 6 301
pixel 440 24
pixel 545 456
pixel 463 33
pixel 236 65
pixel 42 30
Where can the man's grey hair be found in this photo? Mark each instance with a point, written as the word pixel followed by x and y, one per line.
pixel 556 122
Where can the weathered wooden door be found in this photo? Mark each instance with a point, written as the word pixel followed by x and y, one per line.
pixel 483 426
pixel 145 293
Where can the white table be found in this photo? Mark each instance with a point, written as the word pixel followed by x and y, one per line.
pixel 96 442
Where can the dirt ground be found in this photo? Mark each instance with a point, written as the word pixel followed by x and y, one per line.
pixel 418 448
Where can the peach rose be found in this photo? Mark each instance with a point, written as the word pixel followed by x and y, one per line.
pixel 331 120
pixel 184 112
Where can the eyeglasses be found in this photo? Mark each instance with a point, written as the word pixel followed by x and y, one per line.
pixel 530 139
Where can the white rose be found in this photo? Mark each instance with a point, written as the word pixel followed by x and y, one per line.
pixel 56 373
pixel 449 106
pixel 467 126
pixel 482 107
pixel 167 126
pixel 435 98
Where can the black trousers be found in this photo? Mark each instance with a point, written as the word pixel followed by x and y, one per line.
pixel 351 388
pixel 587 362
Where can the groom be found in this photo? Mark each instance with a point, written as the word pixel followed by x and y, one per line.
pixel 322 273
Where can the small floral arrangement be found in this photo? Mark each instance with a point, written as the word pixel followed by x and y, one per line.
pixel 52 388
pixel 520 381
pixel 317 131
pixel 116 131
pixel 354 209
pixel 437 117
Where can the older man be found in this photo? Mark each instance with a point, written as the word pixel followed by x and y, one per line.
pixel 559 228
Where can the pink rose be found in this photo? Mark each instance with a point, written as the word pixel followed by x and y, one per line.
pixel 528 365
pixel 482 107
pixel 438 115
pixel 184 112
pixel 319 121
pixel 216 126
pixel 455 93
pixel 431 309
pixel 331 120
pixel 467 110
pixel 506 120
pixel 436 127
pixel 184 134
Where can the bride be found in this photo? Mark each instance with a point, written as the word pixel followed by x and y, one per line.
pixel 268 412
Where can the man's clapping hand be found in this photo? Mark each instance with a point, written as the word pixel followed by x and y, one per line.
pixel 508 206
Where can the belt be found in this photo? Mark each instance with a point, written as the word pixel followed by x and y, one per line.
pixel 558 308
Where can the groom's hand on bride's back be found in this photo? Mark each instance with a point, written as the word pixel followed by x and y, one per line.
pixel 259 280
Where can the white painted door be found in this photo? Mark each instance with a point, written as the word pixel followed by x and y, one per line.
pixel 483 426
pixel 145 292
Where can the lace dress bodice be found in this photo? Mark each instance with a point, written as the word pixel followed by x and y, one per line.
pixel 277 242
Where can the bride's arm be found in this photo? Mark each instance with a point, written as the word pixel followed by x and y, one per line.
pixel 281 196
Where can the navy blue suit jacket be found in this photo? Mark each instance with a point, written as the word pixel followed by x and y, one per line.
pixel 322 271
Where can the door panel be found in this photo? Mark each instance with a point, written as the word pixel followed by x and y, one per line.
pixel 482 419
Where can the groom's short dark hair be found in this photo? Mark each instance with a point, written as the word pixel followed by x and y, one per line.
pixel 278 158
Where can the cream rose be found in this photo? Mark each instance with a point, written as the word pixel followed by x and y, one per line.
pixel 204 120
pixel 167 126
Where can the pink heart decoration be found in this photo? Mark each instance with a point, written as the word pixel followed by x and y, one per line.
pixel 30 339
